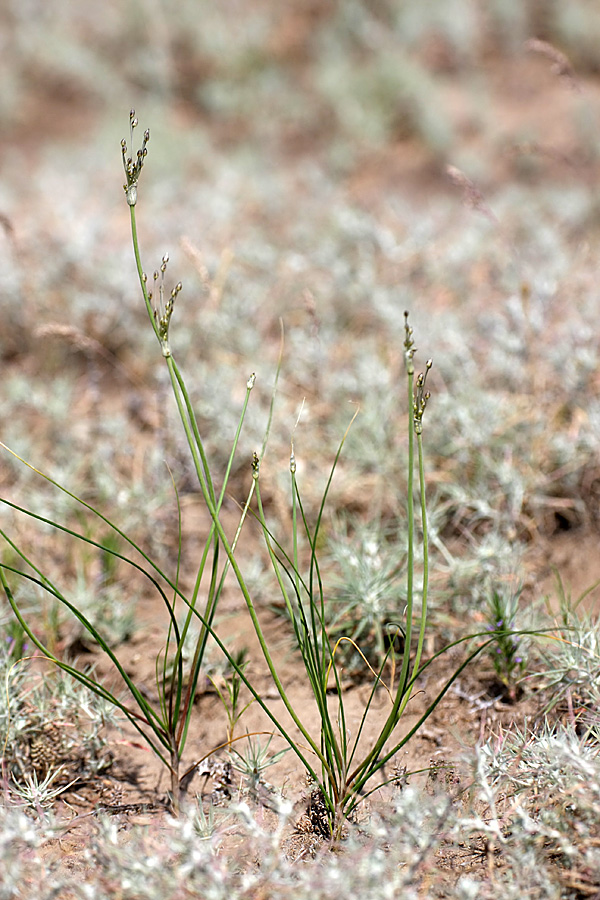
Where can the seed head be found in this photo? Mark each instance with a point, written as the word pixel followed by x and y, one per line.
pixel 164 310
pixel 421 396
pixel 133 169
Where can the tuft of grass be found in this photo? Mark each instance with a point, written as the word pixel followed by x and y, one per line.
pixel 343 764
pixel 342 769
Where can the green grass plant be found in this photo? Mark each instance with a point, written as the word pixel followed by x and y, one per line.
pixel 339 757
pixel 345 764
pixel 340 762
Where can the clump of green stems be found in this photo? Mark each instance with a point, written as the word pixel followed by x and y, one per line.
pixel 343 769
pixel 347 765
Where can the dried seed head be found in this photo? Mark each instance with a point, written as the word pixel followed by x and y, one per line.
pixel 133 170
pixel 162 315
pixel 255 465
pixel 421 397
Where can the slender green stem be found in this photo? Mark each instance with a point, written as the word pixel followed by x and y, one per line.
pixel 177 676
pixel 402 692
pixel 263 643
pixel 425 539
pixel 140 270
pixel 215 590
pixel 191 428
pixel 410 544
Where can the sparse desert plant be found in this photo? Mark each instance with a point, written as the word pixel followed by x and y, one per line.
pixel 343 769
pixel 40 793
pixel 537 799
pixel 367 597
pixel 570 673
pixel 53 731
pixel 254 762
